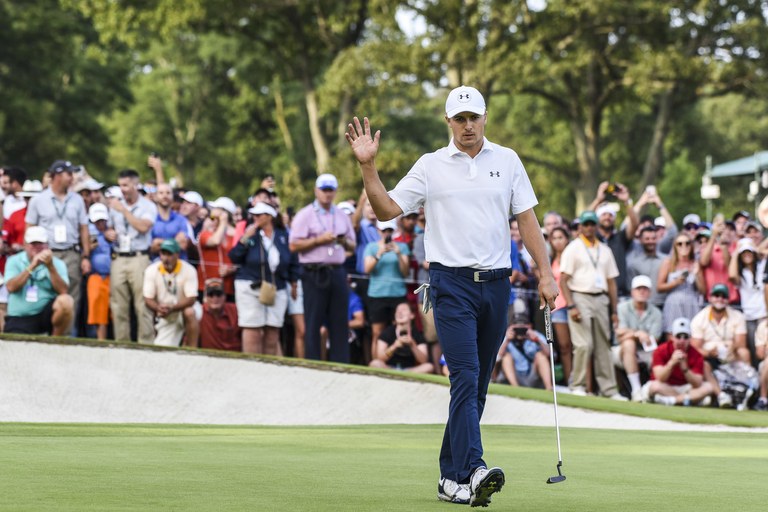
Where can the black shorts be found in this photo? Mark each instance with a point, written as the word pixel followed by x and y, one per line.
pixel 35 324
pixel 382 309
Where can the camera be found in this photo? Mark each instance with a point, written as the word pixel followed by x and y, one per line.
pixel 611 190
pixel 520 332
pixel 388 239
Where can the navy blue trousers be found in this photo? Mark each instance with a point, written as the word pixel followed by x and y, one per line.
pixel 471 319
pixel 326 302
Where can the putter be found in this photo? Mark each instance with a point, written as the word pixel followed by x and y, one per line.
pixel 551 340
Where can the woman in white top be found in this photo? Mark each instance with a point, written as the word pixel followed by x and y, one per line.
pixel 746 271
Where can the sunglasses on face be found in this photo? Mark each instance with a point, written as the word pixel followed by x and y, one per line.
pixel 682 243
pixel 215 293
pixel 719 296
pixel 682 336
pixel 691 226
pixel 587 224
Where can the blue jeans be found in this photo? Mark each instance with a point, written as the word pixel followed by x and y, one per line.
pixel 470 319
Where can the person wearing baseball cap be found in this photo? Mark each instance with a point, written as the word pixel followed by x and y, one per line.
pixel 322 235
pixel 98 281
pixel 639 329
pixel 218 325
pixel 37 282
pixel 467 245
pixel 677 371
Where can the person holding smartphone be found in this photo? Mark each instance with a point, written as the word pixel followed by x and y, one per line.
pixel 401 345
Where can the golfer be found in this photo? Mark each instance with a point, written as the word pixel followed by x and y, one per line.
pixel 468 190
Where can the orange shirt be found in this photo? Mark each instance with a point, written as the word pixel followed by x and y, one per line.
pixel 211 258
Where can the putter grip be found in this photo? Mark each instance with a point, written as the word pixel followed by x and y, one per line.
pixel 548 324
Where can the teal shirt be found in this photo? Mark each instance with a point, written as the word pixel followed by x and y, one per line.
pixel 17 301
pixel 386 279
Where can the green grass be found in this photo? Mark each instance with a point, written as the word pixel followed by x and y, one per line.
pixel 370 468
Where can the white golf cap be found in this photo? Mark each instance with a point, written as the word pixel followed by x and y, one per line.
pixel 89 184
pixel 641 282
pixel 31 188
pixel 224 203
pixel 327 181
pixel 35 234
pixel 98 211
pixel 464 99
pixel 660 222
pixel 114 192
pixel 386 224
pixel 605 208
pixel 746 244
pixel 191 196
pixel 691 218
pixel 346 207
pixel 262 207
pixel 681 326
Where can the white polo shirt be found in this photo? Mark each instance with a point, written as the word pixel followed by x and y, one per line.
pixel 467 202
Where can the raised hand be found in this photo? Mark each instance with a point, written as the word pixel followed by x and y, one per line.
pixel 364 146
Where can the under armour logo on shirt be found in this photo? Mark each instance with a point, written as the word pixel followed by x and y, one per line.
pixel 497 175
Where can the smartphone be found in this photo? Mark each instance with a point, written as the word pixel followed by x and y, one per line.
pixel 651 190
pixel 154 155
pixel 388 239
pixel 719 219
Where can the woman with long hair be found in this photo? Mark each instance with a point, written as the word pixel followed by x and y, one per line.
pixel 265 268
pixel 681 278
pixel 746 271
pixel 216 239
pixel 559 238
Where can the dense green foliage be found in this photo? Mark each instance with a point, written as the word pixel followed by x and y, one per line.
pixel 585 90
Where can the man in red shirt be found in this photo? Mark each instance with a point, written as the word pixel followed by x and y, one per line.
pixel 677 376
pixel 218 326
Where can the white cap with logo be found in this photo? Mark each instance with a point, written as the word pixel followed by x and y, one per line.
pixel 464 99
pixel 641 282
pixel 681 326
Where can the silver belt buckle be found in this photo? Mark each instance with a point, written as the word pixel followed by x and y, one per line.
pixel 477 276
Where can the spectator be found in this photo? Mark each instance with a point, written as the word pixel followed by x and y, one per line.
pixel 677 376
pixel 219 329
pixel 647 262
pixel 427 318
pixel 387 263
pixel 715 258
pixel 356 327
pixel 13 238
pixel 761 342
pixel 558 241
pixel 719 332
pixel 552 220
pixel 98 281
pixel 754 232
pixel 666 229
pixel 215 242
pixel 740 220
pixel 525 356
pixel 191 203
pixel 364 223
pixel 37 282
pixel 90 190
pixel 401 346
pixel 587 279
pixel 170 291
pixel 639 328
pixel 265 267
pixel 746 270
pixel 620 240
pixel 131 218
pixel 681 279
pixel 168 223
pixel 523 278
pixel 268 182
pixel 321 234
pixel 12 182
pixel 692 225
pixel 63 216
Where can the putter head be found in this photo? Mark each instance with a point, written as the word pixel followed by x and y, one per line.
pixel 555 479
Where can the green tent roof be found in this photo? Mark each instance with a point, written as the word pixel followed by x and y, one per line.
pixel 742 166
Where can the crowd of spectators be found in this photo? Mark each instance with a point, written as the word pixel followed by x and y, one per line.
pixel 649 310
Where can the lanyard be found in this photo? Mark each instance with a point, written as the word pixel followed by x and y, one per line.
pixel 60 213
pixel 333 219
pixel 595 260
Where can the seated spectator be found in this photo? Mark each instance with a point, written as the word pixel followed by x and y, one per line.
pixel 719 332
pixel 218 325
pixel 266 267
pixel 170 291
pixel 677 376
pixel 761 342
pixel 98 280
pixel 401 346
pixel 639 328
pixel 387 262
pixel 746 270
pixel 37 283
pixel 525 356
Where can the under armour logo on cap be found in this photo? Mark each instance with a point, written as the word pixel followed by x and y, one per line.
pixel 464 99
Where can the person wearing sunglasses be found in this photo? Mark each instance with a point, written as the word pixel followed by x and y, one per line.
pixel 218 325
pixel 677 371
pixel 681 279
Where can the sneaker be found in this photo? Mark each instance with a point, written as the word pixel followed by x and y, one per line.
pixel 761 405
pixel 618 397
pixel 579 391
pixel 637 395
pixel 483 484
pixel 724 400
pixel 452 491
pixel 664 400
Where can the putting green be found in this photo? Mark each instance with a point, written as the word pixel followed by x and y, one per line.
pixel 392 468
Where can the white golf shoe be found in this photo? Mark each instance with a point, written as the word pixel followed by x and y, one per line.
pixel 452 491
pixel 483 483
